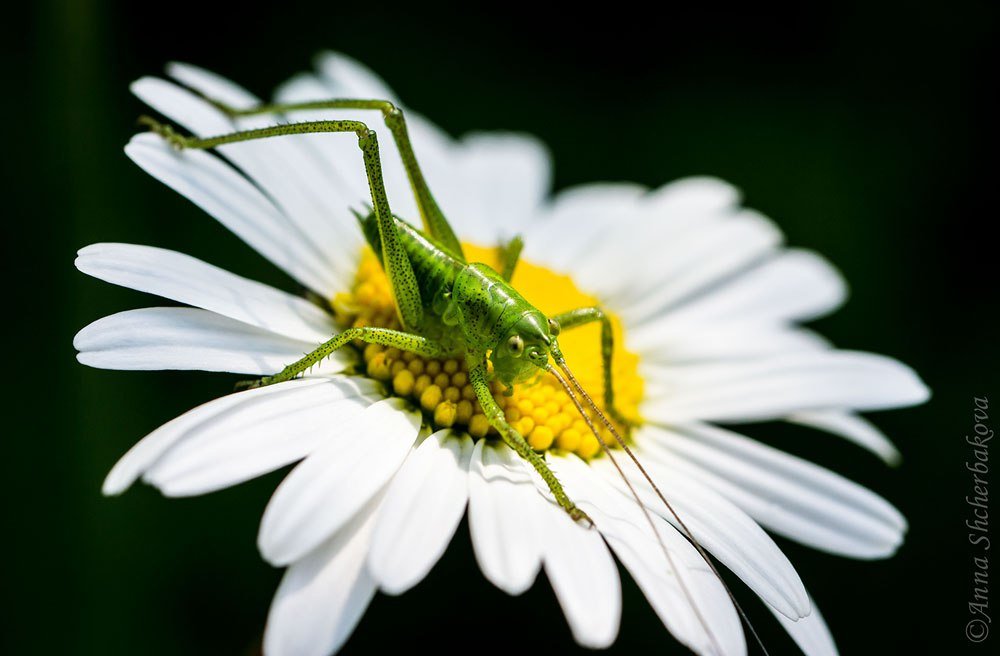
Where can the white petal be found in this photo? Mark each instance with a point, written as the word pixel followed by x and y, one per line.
pixel 594 224
pixel 588 216
pixel 627 531
pixel 344 77
pixel 229 197
pixel 188 280
pixel 773 387
pixel 796 285
pixel 853 427
pixel 786 494
pixel 578 218
pixel 331 485
pixel 503 518
pixel 695 196
pixel 239 442
pixel 189 338
pixel 349 78
pixel 662 344
pixel 337 154
pixel 151 448
pixel 211 85
pixel 506 178
pixel 323 596
pixel 442 167
pixel 810 633
pixel 289 169
pixel 720 527
pixel 584 577
pixel 296 173
pixel 685 265
pixel 434 150
pixel 186 109
pixel 423 506
pixel 715 628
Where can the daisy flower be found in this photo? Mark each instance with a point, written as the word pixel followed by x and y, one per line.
pixel 392 448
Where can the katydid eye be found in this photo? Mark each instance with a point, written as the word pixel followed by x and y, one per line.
pixel 516 345
pixel 554 327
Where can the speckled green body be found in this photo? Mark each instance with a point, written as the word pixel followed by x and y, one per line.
pixel 471 297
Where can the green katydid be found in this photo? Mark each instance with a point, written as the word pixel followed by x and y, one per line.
pixel 450 308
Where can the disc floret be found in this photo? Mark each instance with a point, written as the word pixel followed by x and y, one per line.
pixel 539 410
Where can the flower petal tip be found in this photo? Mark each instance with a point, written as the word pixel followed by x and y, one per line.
pixel 139 86
pixel 112 487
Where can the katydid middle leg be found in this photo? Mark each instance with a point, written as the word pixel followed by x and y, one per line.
pixel 382 336
pixel 581 317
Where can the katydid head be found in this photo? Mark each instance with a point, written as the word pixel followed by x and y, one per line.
pixel 525 349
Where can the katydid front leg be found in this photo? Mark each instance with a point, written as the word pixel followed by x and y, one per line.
pixel 513 439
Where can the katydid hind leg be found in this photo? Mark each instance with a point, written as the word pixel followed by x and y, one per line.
pixel 431 216
pixel 406 293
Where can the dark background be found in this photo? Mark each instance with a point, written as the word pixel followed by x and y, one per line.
pixel 862 130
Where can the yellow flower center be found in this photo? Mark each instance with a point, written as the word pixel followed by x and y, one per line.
pixel 541 411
